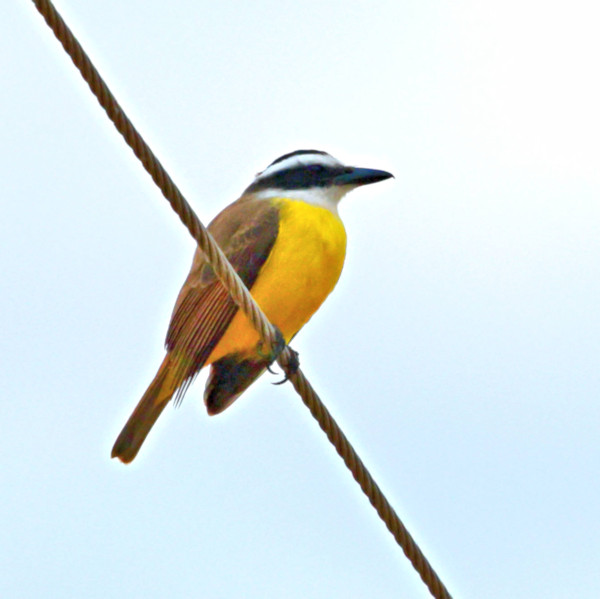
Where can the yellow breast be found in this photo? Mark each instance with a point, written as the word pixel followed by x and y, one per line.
pixel 302 269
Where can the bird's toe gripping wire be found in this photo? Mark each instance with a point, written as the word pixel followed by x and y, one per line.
pixel 273 352
pixel 270 356
pixel 290 368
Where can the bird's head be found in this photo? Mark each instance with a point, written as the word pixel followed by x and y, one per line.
pixel 312 176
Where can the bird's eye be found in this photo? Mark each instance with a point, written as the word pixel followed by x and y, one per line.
pixel 315 168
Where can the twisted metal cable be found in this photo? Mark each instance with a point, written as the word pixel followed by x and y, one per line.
pixel 370 488
pixel 241 296
pixel 135 141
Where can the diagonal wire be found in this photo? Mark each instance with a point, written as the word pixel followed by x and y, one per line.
pixel 241 296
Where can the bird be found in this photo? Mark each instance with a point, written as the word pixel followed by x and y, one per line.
pixel 285 239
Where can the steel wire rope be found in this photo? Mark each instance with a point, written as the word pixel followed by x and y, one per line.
pixel 241 296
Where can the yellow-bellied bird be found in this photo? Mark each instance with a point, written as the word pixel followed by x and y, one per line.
pixel 285 239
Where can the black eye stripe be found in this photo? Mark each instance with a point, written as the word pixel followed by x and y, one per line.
pixel 299 177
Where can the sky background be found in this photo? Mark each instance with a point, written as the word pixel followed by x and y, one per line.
pixel 460 351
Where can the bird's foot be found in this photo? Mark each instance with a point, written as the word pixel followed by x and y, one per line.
pixel 273 353
pixel 293 363
pixel 291 368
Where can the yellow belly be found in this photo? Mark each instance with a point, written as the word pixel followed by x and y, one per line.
pixel 304 265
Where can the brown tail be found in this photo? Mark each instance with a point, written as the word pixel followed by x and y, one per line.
pixel 146 413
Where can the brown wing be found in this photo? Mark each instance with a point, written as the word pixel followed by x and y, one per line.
pixel 246 231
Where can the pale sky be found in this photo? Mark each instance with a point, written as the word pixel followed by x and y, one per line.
pixel 460 351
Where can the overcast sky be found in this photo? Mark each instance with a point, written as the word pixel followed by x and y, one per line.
pixel 460 351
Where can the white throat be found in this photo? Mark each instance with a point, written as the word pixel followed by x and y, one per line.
pixel 325 197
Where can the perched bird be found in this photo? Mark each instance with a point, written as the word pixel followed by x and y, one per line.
pixel 285 239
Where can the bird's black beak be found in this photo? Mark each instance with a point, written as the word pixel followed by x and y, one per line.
pixel 360 176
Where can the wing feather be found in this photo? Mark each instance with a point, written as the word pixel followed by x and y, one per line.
pixel 246 231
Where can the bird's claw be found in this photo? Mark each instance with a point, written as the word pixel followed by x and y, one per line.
pixel 291 368
pixel 274 351
pixel 293 363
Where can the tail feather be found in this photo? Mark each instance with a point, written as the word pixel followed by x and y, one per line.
pixel 229 378
pixel 146 413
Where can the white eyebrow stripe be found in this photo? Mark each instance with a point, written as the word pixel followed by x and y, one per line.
pixel 297 161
